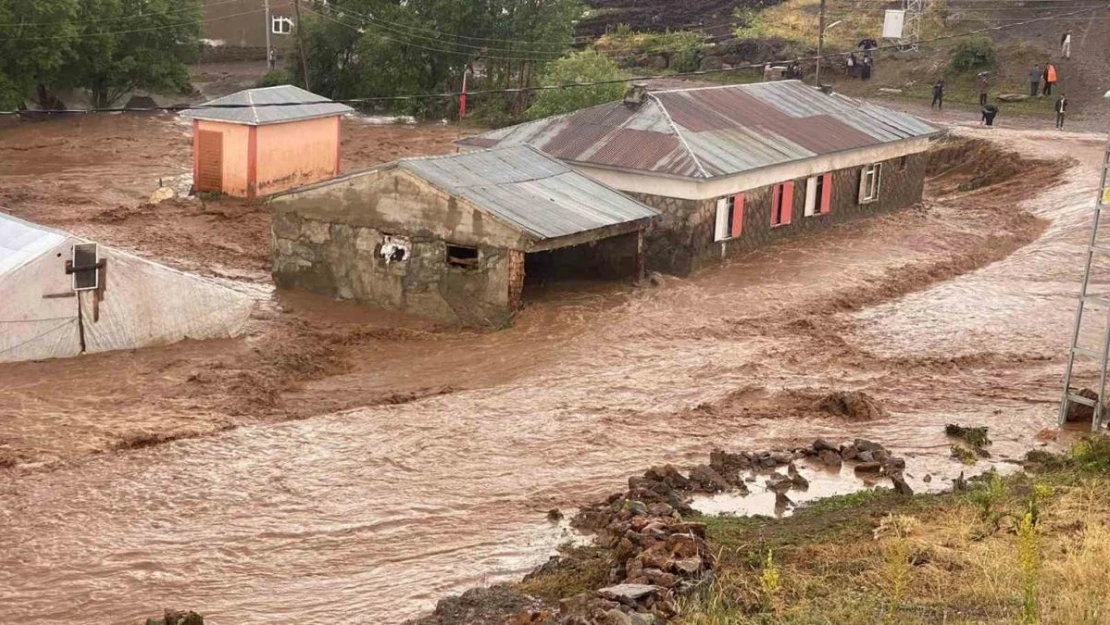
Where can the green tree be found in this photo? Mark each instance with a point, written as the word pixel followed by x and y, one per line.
pixel 376 48
pixel 124 45
pixel 35 40
pixel 585 66
pixel 975 52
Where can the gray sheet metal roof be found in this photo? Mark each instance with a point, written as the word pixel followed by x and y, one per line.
pixel 283 103
pixel 525 187
pixel 714 131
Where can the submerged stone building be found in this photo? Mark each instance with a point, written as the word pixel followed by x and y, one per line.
pixel 737 166
pixel 456 238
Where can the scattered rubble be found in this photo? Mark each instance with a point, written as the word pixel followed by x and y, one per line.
pixel 853 406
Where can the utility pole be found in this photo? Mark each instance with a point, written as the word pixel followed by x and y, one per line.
pixel 269 27
pixel 300 41
pixel 820 41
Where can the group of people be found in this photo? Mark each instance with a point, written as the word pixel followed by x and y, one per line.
pixel 1042 80
pixel 860 66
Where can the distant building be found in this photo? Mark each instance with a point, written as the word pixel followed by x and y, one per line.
pixel 242 23
pixel 737 166
pixel 267 140
pixel 456 238
pixel 62 296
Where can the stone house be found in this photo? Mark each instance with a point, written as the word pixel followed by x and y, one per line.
pixel 738 166
pixel 456 238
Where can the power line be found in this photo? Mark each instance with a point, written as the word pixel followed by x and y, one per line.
pixel 429 48
pixel 436 34
pixel 455 94
pixel 491 53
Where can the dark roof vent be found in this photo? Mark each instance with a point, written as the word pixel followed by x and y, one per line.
pixel 634 97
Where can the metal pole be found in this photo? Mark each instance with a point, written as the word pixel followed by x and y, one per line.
pixel 269 27
pixel 300 38
pixel 820 41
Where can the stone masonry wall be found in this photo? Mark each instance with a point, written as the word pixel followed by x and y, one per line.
pixel 346 262
pixel 682 241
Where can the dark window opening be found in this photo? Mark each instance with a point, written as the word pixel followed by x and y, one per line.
pixel 460 256
pixel 819 192
pixel 86 277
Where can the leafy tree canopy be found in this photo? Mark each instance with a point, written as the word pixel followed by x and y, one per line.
pixel 107 47
pixel 367 48
pixel 585 66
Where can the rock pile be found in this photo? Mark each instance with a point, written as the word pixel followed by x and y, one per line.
pixel 870 458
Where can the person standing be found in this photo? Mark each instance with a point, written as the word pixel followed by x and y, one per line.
pixel 1061 110
pixel 1065 45
pixel 1034 81
pixel 938 94
pixel 984 84
pixel 271 59
pixel 852 64
pixel 1049 78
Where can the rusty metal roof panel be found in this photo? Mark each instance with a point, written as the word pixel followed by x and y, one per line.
pixel 269 105
pixel 525 187
pixel 714 131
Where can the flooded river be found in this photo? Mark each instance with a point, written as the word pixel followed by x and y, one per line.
pixel 371 515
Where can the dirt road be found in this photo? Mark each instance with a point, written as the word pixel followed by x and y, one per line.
pixel 957 312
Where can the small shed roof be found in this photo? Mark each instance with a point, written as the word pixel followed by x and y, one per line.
pixel 22 241
pixel 530 190
pixel 268 105
pixel 713 131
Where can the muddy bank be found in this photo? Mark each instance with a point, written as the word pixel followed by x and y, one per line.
pixel 93 175
pixel 649 548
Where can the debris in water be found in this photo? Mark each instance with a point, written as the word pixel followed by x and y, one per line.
pixel 974 436
pixel 964 455
pixel 853 405
pixel 173 617
pixel 1078 413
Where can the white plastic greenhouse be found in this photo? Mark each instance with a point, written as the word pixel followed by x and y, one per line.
pixel 61 296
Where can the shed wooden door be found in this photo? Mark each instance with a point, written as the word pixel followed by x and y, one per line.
pixel 210 161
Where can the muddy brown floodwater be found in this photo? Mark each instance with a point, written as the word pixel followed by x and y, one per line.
pixel 955 312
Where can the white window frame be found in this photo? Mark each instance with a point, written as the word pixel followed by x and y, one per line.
pixel 812 201
pixel 726 207
pixel 870 183
pixel 281 25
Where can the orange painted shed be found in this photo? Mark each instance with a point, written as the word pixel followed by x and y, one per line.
pixel 263 141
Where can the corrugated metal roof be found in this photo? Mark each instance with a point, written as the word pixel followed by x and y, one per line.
pixel 525 187
pixel 714 131
pixel 22 241
pixel 283 103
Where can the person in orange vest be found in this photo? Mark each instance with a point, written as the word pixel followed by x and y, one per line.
pixel 1049 78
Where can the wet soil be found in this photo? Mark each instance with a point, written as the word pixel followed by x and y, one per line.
pixel 92 175
pixel 431 455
